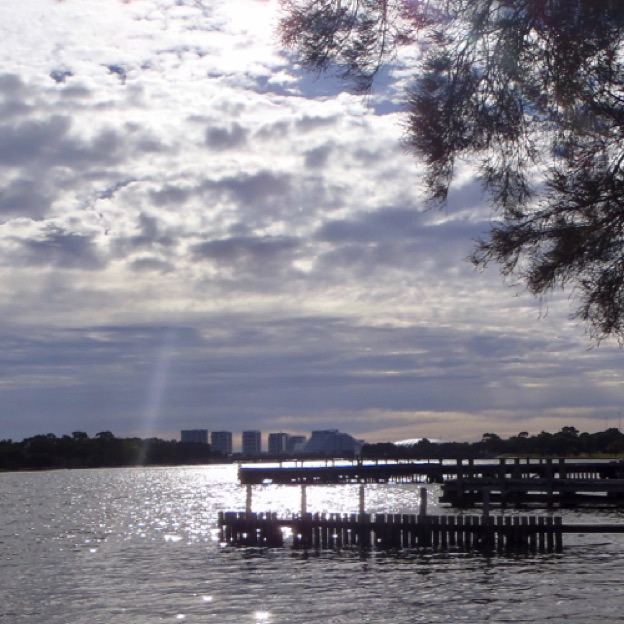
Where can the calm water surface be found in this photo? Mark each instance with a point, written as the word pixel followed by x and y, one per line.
pixel 139 546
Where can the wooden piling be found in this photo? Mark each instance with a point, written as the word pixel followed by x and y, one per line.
pixel 422 508
pixel 550 544
pixel 558 522
pixel 550 478
pixel 460 484
pixel 486 504
pixel 304 502
pixel 248 499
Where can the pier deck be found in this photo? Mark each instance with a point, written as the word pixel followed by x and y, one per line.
pixel 547 482
pixel 315 473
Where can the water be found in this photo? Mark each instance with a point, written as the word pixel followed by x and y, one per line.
pixel 140 546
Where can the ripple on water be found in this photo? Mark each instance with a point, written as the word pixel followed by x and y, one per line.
pixel 140 546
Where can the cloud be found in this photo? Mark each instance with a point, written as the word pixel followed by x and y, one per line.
pixel 406 239
pixel 64 250
pixel 170 195
pixel 60 75
pixel 14 96
pixel 254 188
pixel 148 238
pixel 226 138
pixel 247 249
pixel 251 264
pixel 309 123
pixel 151 264
pixel 32 140
pixel 318 156
pixel 43 155
pixel 21 196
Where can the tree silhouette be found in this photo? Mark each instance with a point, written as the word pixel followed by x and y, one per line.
pixel 528 92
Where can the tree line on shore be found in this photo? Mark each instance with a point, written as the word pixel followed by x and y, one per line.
pixel 104 450
pixel 565 443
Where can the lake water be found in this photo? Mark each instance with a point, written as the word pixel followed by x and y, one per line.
pixel 140 546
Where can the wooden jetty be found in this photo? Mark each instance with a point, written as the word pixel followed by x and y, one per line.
pixel 332 472
pixel 548 483
pixel 545 482
pixel 543 533
pixel 394 531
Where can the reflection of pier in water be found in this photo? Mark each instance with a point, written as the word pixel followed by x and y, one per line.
pixel 465 483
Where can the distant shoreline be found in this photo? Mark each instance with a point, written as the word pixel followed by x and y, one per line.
pixel 104 450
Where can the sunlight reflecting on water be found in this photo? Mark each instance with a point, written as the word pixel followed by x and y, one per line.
pixel 379 498
pixel 141 546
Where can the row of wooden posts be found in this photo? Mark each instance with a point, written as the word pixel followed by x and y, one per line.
pixel 321 531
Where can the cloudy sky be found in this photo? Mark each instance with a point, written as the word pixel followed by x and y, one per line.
pixel 195 234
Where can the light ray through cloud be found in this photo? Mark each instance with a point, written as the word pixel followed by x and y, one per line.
pixel 157 389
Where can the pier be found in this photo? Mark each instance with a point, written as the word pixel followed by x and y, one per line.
pixel 517 482
pixel 394 531
pixel 536 533
pixel 464 483
pixel 548 483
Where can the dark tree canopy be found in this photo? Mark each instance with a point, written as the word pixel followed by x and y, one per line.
pixel 530 93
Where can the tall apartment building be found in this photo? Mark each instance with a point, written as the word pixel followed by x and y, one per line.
pixel 252 442
pixel 278 443
pixel 194 435
pixel 221 442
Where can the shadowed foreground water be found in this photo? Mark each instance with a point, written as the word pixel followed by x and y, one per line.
pixel 139 546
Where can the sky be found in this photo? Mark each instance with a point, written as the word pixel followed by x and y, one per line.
pixel 194 233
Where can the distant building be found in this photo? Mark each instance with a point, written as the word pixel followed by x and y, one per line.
pixel 332 442
pixel 296 443
pixel 221 442
pixel 252 443
pixel 194 435
pixel 278 443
